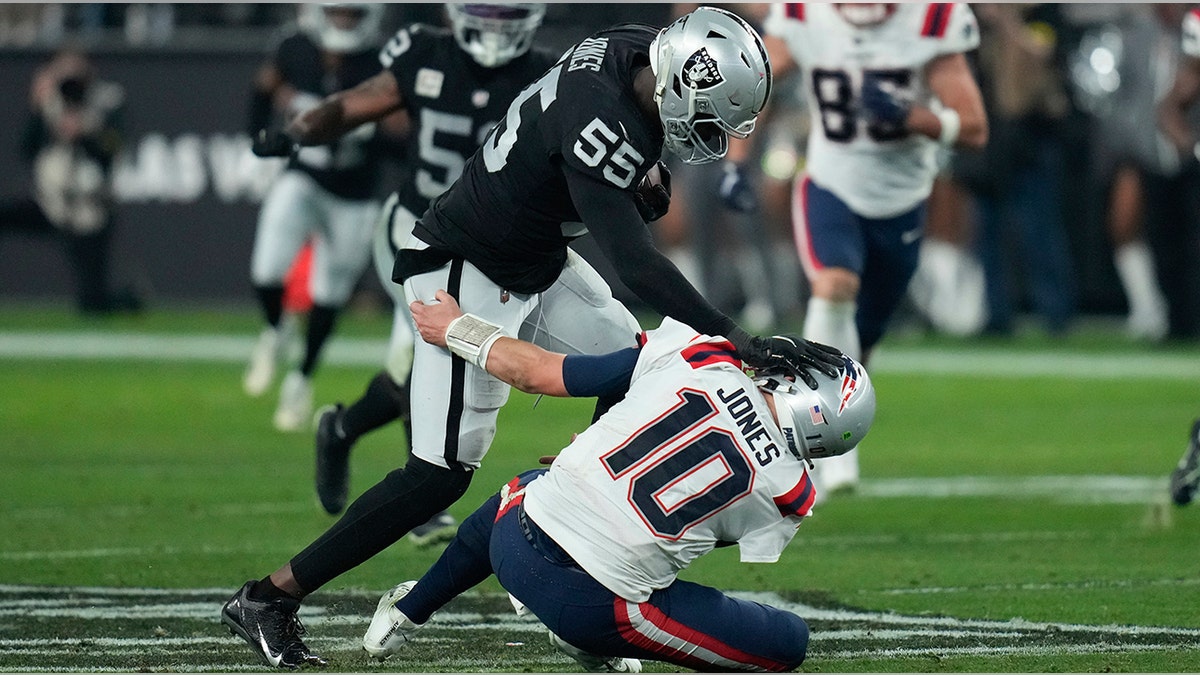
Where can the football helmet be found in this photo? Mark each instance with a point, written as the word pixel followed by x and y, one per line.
pixel 865 14
pixel 495 34
pixel 712 78
pixel 829 421
pixel 343 27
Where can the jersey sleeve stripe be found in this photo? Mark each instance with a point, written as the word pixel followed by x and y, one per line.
pixel 795 10
pixel 937 18
pixel 709 354
pixel 1195 12
pixel 799 500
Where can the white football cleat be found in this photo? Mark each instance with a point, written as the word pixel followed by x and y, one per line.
pixel 295 403
pixel 264 360
pixel 389 629
pixel 594 663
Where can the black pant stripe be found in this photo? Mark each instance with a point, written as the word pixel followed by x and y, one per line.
pixel 458 380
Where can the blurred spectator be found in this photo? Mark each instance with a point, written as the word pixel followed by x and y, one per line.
pixel 70 139
pixel 1018 179
pixel 1124 69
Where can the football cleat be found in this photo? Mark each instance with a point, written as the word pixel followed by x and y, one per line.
pixel 389 629
pixel 438 529
pixel 333 460
pixel 264 361
pixel 1186 477
pixel 594 663
pixel 272 628
pixel 295 403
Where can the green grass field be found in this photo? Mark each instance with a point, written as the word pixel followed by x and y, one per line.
pixel 1012 517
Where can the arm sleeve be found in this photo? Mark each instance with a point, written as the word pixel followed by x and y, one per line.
pixel 604 375
pixel 613 219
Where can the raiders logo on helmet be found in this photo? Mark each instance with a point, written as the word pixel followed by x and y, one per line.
pixel 700 71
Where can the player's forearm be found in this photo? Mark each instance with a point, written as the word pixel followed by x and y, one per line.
pixel 322 124
pixel 527 367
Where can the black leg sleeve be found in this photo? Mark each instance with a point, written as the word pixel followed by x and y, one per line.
pixel 383 402
pixel 321 321
pixel 270 299
pixel 404 499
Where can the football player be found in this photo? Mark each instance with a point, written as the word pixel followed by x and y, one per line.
pixel 887 86
pixel 326 193
pixel 697 455
pixel 1173 118
pixel 568 158
pixel 455 86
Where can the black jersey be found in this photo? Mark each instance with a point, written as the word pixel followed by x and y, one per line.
pixel 510 214
pixel 453 103
pixel 348 167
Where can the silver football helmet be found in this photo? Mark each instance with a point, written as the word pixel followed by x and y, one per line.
pixel 712 78
pixel 495 34
pixel 829 421
pixel 343 27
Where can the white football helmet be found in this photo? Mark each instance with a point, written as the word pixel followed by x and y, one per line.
pixel 829 421
pixel 495 34
pixel 343 27
pixel 712 78
pixel 865 14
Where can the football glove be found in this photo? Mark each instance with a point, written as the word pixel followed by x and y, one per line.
pixel 788 351
pixel 737 192
pixel 883 106
pixel 653 199
pixel 273 143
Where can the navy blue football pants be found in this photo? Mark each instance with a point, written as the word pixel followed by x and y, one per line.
pixel 685 624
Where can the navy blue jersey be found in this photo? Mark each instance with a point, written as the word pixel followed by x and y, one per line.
pixel 348 167
pixel 511 214
pixel 453 103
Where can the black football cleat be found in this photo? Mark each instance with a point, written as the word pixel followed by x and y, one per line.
pixel 333 461
pixel 272 628
pixel 1186 477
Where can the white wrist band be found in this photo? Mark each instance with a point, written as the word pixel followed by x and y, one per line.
pixel 471 338
pixel 951 124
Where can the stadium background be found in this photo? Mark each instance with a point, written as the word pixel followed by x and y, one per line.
pixel 188 188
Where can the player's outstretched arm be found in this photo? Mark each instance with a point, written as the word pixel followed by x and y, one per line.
pixel 340 113
pixel 524 365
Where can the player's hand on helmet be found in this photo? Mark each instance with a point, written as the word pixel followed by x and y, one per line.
pixel 737 191
pixel 788 351
pixel 884 105
pixel 653 193
pixel 273 143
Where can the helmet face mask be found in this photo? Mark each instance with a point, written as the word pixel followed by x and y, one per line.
pixel 494 34
pixel 829 421
pixel 712 78
pixel 343 27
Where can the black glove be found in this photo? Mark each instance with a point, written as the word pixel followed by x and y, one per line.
pixel 273 143
pixel 737 192
pixel 788 351
pixel 653 199
pixel 883 106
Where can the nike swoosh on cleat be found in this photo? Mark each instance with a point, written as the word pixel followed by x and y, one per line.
pixel 272 659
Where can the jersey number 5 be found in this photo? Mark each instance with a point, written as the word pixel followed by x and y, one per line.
pixel 504 136
pixel 693 480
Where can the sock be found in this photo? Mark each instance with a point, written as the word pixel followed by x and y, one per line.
pixel 1135 267
pixel 320 325
pixel 382 402
pixel 832 323
pixel 271 300
pixel 263 590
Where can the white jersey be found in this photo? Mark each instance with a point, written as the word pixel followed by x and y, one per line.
pixel 689 458
pixel 1191 33
pixel 878 172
